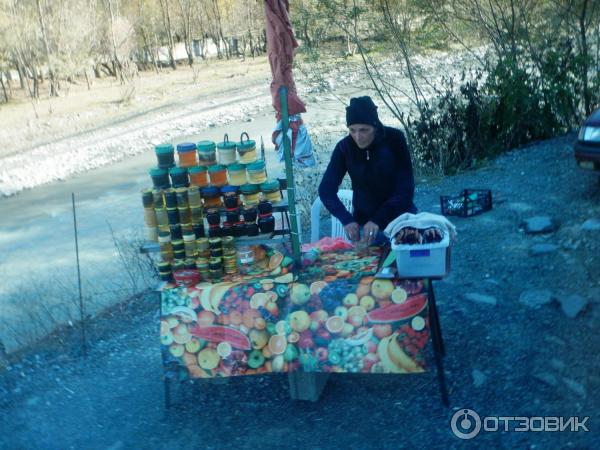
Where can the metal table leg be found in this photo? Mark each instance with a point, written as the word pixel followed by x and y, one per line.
pixel 438 346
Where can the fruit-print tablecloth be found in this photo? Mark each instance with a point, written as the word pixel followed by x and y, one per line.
pixel 333 316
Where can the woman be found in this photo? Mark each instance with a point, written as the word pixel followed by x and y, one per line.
pixel 377 159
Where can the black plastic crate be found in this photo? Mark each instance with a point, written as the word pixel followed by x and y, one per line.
pixel 469 202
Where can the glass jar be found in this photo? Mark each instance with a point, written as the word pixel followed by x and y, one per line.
pixel 214 243
pixel 246 149
pixel 198 230
pixel 236 174
pixel 257 172
pixel 233 215
pixel 186 152
pixel 150 217
pixel 184 215
pixel 177 265
pixel 179 177
pixel 162 218
pixel 245 259
pixel 175 231
pixel 213 216
pixel 182 197
pixel 197 216
pixel 250 214
pixel 165 155
pixel 218 175
pixel 157 198
pixel 189 264
pixel 173 216
pixel 211 197
pixel 227 229
pixel 265 207
pixel 160 178
pixel 226 151
pixel 170 198
pixel 198 176
pixel 270 191
pixel 194 197
pixel 202 245
pixel 190 248
pixel 250 194
pixel 266 223
pixel 147 198
pixel 228 244
pixel 231 200
pixel 206 153
pixel 214 231
pixel 177 244
pixel 164 243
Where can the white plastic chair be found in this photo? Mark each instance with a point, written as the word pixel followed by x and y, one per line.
pixel 337 229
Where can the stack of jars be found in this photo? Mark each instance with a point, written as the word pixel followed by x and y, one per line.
pixel 229 255
pixel 150 219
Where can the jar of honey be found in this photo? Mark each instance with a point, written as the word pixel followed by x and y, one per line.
pixel 218 175
pixel 270 191
pixel 186 151
pixel 250 194
pixel 165 155
pixel 160 178
pixel 179 177
pixel 206 153
pixel 182 197
pixel 184 215
pixel 157 198
pixel 162 218
pixel 194 197
pixel 236 174
pixel 197 214
pixel 150 218
pixel 211 197
pixel 170 198
pixel 226 151
pixel 246 149
pixel 198 176
pixel 257 172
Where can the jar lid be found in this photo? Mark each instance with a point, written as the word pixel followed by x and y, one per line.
pixel 270 185
pixel 249 188
pixel 178 171
pixel 196 169
pixel 216 168
pixel 246 145
pixel 229 188
pixel 210 191
pixel 158 172
pixel 186 147
pixel 205 146
pixel 258 165
pixel 163 148
pixel 226 144
pixel 236 166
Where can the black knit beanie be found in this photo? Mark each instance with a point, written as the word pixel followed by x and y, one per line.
pixel 362 110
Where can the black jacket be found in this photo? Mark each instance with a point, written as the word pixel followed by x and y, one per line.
pixel 382 180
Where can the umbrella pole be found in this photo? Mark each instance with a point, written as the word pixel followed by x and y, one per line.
pixel 289 174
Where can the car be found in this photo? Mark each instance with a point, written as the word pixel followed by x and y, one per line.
pixel 587 146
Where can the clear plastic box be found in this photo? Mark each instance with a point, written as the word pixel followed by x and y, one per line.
pixel 423 260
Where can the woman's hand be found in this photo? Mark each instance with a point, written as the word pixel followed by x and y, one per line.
pixel 352 231
pixel 369 232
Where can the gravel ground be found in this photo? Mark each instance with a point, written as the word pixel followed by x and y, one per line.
pixel 518 317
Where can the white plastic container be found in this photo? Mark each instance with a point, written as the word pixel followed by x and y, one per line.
pixel 423 260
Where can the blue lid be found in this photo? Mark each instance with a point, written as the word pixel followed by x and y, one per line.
pixel 230 188
pixel 210 191
pixel 186 147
